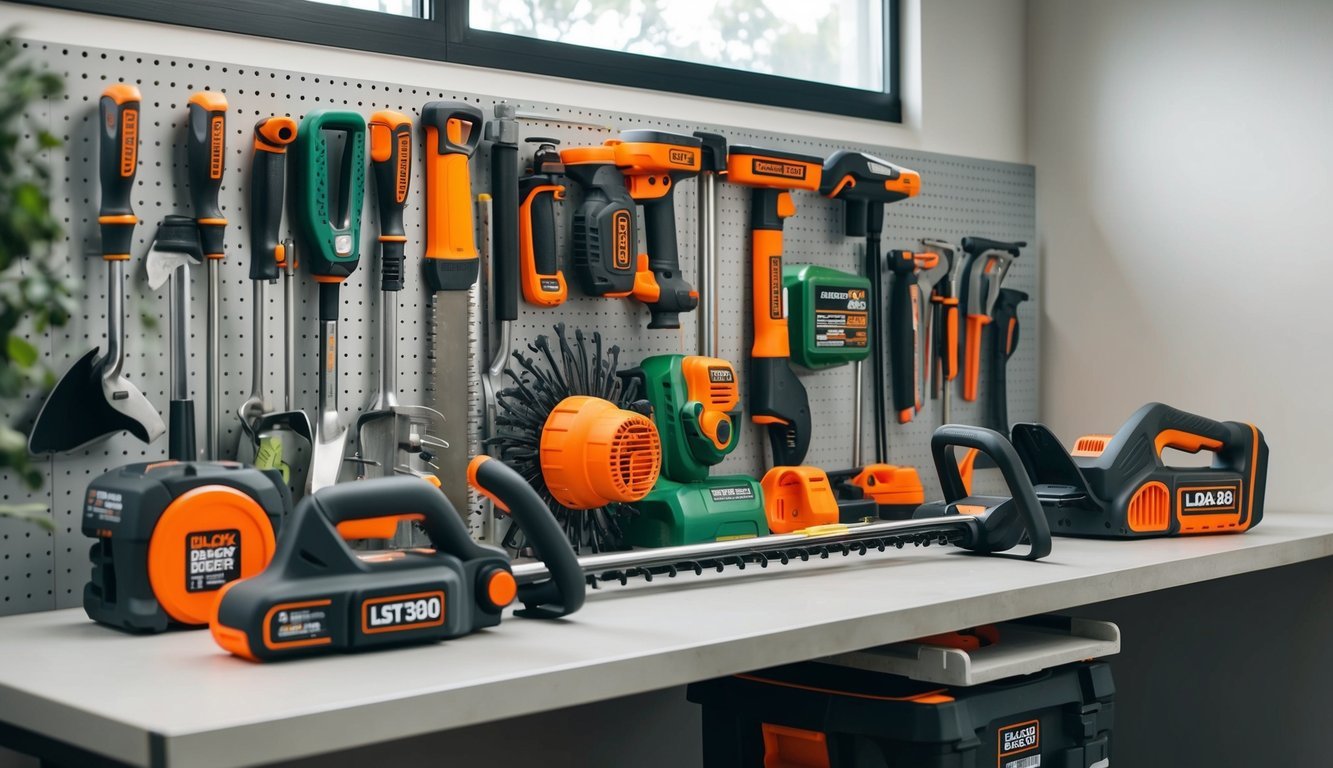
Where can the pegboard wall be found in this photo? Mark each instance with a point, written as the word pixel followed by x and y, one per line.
pixel 39 571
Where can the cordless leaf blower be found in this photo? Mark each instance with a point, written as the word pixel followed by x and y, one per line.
pixel 319 596
pixel 1118 486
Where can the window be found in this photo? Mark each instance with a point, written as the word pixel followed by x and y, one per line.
pixel 834 56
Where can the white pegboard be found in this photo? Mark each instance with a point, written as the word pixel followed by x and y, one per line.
pixel 38 571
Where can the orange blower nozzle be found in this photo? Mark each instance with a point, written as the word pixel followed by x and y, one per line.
pixel 594 453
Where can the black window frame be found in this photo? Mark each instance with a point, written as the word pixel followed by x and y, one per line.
pixel 447 36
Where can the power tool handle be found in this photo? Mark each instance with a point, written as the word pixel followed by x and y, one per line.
pixel 565 591
pixel 118 160
pixel 1004 340
pixel 504 229
pixel 1169 427
pixel 770 314
pixel 268 175
pixel 206 153
pixel 401 495
pixel 539 264
pixel 659 221
pixel 1002 454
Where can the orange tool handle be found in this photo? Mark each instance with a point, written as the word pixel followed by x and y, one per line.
pixel 950 306
pixel 268 177
pixel 972 360
pixel 206 155
pixel 768 208
pixel 453 130
pixel 391 161
pixel 543 282
pixel 118 159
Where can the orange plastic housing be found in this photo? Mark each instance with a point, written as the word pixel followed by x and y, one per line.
pixel 594 453
pixel 796 498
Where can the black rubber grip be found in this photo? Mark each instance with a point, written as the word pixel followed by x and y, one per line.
pixel 975 245
pixel 402 495
pixel 1002 346
pixel 118 161
pixel 180 431
pixel 391 162
pixel 565 591
pixel 777 392
pixel 854 215
pixel 764 208
pixel 268 175
pixel 545 258
pixel 1005 458
pixel 206 153
pixel 504 229
pixel 328 302
pixel 902 339
pixel 659 221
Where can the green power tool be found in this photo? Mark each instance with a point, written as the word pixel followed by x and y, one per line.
pixel 696 403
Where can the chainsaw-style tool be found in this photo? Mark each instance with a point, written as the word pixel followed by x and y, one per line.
pixel 452 132
pixel 328 213
pixel 94 400
pixel 1118 486
pixel 944 365
pixel 777 397
pixel 712 165
pixel 362 600
pixel 653 162
pixel 542 278
pixel 175 248
pixel 1004 340
pixel 866 184
pixel 990 525
pixel 388 432
pixel 580 435
pixel 268 183
pixel 205 154
pixel 987 264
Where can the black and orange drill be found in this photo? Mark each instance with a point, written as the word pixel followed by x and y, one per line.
pixel 777 398
pixel 541 278
pixel 604 236
pixel 653 162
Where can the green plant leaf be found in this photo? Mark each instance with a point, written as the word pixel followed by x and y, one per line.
pixel 21 352
pixel 32 513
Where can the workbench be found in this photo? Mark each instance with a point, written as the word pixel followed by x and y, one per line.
pixel 74 691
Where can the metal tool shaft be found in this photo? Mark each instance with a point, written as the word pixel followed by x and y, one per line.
pixel 115 319
pixel 774 547
pixel 708 315
pixel 257 339
pixel 213 392
pixel 289 324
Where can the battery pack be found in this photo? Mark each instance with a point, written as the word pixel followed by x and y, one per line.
pixel 814 715
pixel 170 535
pixel 828 315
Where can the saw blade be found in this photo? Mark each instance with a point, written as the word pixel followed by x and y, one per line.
pixel 449 388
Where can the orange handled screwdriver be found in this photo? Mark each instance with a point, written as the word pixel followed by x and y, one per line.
pixel 206 152
pixel 944 355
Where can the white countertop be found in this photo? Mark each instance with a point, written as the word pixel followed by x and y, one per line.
pixel 178 699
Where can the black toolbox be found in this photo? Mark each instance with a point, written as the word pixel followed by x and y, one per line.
pixel 815 715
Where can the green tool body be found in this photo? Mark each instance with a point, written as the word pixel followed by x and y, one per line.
pixel 695 403
pixel 828 317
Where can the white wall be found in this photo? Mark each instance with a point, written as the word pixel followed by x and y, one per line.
pixel 970 52
pixel 1184 193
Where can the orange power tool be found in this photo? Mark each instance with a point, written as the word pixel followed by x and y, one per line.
pixel 653 162
pixel 777 397
pixel 988 263
pixel 453 130
pixel 539 263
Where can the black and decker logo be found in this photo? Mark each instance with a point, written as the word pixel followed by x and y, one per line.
pixel 620 245
pixel 721 375
pixel 1020 737
pixel 129 142
pixel 1209 499
pixel 775 288
pixel 404 165
pixel 763 167
pixel 681 156
pixel 401 612
pixel 213 559
pixel 216 139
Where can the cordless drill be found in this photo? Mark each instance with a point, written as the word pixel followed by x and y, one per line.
pixel 604 236
pixel 652 163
